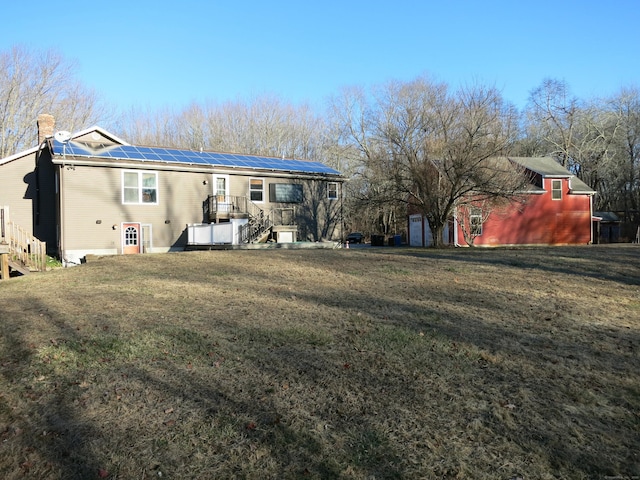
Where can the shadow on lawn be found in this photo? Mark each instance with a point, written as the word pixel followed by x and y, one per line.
pixel 573 380
pixel 545 369
pixel 613 262
pixel 65 444
pixel 47 428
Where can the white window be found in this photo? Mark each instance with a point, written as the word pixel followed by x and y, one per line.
pixel 139 187
pixel 556 189
pixel 475 220
pixel 332 190
pixel 256 189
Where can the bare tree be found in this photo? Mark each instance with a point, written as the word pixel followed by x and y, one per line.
pixel 471 217
pixel 594 153
pixel 259 126
pixel 41 82
pixel 596 139
pixel 435 149
pixel 371 203
pixel 553 110
pixel 625 172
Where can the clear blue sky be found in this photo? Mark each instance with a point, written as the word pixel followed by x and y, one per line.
pixel 171 53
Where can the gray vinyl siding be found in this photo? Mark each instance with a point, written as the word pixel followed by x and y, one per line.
pixel 18 190
pixel 317 217
pixel 91 204
pixel 46 213
pixel 29 192
pixel 94 211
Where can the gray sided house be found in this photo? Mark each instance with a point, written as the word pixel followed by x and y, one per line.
pixel 93 193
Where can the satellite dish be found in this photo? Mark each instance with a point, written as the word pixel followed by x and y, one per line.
pixel 62 136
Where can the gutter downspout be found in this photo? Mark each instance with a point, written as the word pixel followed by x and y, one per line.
pixel 591 219
pixel 342 212
pixel 61 233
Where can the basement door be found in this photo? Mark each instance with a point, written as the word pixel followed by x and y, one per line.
pixel 131 238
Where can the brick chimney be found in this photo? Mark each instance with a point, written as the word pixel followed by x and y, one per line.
pixel 46 124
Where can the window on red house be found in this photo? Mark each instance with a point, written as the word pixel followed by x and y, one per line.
pixel 475 219
pixel 556 189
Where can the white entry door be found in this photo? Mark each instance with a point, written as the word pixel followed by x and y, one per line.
pixel 221 192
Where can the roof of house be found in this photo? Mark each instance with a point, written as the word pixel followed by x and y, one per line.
pixel 578 186
pixel 95 144
pixel 545 166
pixel 120 150
pixel 548 167
pixel 100 133
pixel 18 155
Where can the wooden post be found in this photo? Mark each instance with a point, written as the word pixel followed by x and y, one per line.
pixel 4 261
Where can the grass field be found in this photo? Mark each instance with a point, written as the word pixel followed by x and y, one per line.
pixel 356 364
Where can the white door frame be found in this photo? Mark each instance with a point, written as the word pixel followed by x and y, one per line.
pixel 226 201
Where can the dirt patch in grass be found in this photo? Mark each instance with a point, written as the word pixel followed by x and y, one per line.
pixel 360 363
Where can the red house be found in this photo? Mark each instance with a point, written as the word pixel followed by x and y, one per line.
pixel 557 209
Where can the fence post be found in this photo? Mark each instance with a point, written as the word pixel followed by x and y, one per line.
pixel 43 256
pixel 4 246
pixel 4 261
pixel 4 266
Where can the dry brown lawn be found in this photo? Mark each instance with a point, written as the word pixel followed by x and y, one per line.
pixel 356 364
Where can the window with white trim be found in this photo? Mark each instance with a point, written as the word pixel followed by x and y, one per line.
pixel 332 190
pixel 139 187
pixel 256 189
pixel 475 221
pixel 556 189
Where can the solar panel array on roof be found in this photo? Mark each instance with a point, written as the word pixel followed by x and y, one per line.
pixel 170 155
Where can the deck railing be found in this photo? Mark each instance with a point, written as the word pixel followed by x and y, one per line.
pixel 259 221
pixel 25 250
pixel 216 206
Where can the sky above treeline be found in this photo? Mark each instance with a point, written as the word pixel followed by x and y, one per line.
pixel 150 54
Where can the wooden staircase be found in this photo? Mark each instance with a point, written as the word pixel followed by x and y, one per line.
pixel 20 252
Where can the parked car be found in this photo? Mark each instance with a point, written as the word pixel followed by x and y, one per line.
pixel 355 237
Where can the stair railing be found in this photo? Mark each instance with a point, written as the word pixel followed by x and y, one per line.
pixel 27 249
pixel 259 220
pixel 259 223
pixel 24 248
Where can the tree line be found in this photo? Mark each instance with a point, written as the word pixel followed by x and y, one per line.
pixel 417 141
